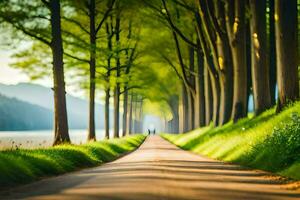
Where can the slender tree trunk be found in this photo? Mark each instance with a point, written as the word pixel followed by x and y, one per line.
pixel 287 52
pixel 208 95
pixel 130 115
pixel 213 23
pixel 200 97
pixel 135 108
pixel 174 106
pixel 60 108
pixel 248 56
pixel 260 68
pixel 91 131
pixel 140 117
pixel 175 113
pixel 125 111
pixel 225 66
pixel 190 111
pixel 117 87
pixel 211 64
pixel 191 100
pixel 181 112
pixel 116 111
pixel 236 31
pixel 226 81
pixel 215 85
pixel 107 88
pixel 185 109
pixel 107 97
pixel 188 88
pixel 272 50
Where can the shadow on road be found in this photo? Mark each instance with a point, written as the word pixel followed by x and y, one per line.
pixel 159 170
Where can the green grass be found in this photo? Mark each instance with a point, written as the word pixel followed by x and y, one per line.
pixel 24 166
pixel 269 142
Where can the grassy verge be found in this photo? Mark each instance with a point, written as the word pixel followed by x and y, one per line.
pixel 269 142
pixel 23 166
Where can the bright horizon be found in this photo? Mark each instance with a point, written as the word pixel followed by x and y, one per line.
pixel 12 76
pixel 7 72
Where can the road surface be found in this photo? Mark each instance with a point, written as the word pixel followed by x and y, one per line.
pixel 158 170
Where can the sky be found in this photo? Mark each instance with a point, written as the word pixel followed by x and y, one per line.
pixel 11 76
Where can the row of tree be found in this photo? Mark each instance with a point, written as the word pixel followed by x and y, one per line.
pixel 87 37
pixel 218 52
pixel 227 50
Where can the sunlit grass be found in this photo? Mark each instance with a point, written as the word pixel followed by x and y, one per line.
pixel 23 166
pixel 269 142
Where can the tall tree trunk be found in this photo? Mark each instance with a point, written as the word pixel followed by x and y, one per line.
pixel 188 86
pixel 260 68
pixel 235 15
pixel 211 64
pixel 107 88
pixel 248 56
pixel 60 109
pixel 208 95
pixel 272 52
pixel 125 111
pixel 287 52
pixel 118 64
pixel 224 62
pixel 92 13
pixel 226 81
pixel 192 83
pixel 214 27
pixel 200 97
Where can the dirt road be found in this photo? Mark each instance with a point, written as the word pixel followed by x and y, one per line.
pixel 158 170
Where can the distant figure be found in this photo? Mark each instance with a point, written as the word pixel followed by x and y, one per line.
pixel 154 132
pixel 149 132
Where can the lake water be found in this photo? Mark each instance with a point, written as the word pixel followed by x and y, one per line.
pixel 41 138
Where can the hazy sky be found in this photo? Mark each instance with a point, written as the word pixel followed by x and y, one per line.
pixel 9 75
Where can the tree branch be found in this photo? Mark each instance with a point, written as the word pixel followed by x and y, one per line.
pixel 169 19
pixel 106 14
pixel 172 65
pixel 76 23
pixel 29 33
pixel 47 3
pixel 77 58
pixel 212 18
pixel 131 87
pixel 184 5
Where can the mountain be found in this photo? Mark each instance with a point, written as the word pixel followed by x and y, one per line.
pixel 43 96
pixel 20 115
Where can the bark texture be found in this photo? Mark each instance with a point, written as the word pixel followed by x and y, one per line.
pixel 286 50
pixel 60 109
pixel 259 58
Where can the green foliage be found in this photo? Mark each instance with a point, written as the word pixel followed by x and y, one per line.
pixel 34 61
pixel 269 142
pixel 23 166
pixel 281 149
